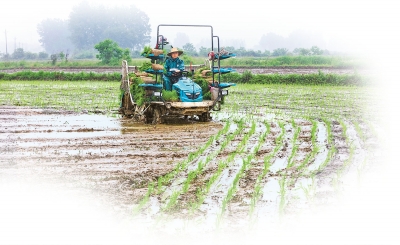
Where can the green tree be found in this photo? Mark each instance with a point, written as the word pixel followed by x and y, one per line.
pixel 54 58
pixel 203 51
pixel 18 54
pixel 61 55
pixel 279 52
pixel 304 51
pixel 110 53
pixel 90 24
pixel 43 55
pixel 54 35
pixel 189 49
pixel 30 56
pixel 241 51
pixel 316 51
pixel 266 53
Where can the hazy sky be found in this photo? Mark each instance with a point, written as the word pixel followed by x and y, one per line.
pixel 353 24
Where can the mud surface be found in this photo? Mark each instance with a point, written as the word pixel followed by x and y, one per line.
pixel 113 158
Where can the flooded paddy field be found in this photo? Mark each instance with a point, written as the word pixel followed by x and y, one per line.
pixel 272 151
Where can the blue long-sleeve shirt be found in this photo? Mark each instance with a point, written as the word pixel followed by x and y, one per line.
pixel 173 63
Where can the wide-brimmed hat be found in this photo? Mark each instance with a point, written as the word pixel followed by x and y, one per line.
pixel 173 50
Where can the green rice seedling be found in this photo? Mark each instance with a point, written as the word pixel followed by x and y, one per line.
pixel 267 163
pixel 144 200
pixel 331 146
pixel 170 95
pixel 279 139
pixel 359 131
pixel 172 201
pixel 328 125
pixel 310 190
pixel 344 131
pixel 347 161
pixel 282 191
pixel 314 151
pixel 314 135
pixel 295 146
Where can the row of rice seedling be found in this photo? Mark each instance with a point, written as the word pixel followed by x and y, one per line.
pixel 295 146
pixel 302 178
pixel 287 177
pixel 159 186
pixel 314 150
pixel 267 163
pixel 246 162
pixel 351 152
pixel 200 167
pixel 222 165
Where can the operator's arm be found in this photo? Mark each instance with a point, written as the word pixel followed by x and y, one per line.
pixel 167 66
pixel 180 65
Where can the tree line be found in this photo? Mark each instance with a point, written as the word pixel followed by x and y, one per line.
pixel 243 52
pixel 108 50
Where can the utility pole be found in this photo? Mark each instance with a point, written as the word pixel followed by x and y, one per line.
pixel 5 32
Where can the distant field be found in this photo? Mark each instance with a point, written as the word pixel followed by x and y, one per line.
pixel 77 96
pixel 286 61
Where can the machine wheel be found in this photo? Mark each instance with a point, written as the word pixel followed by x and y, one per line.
pixel 217 106
pixel 156 116
pixel 127 107
pixel 139 113
pixel 204 117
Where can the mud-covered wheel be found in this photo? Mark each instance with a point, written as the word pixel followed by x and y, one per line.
pixel 139 114
pixel 148 117
pixel 217 106
pixel 204 117
pixel 156 116
pixel 127 109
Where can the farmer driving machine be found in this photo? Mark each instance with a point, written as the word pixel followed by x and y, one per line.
pixel 143 94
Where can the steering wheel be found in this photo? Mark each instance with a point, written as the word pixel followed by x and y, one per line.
pixel 185 73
